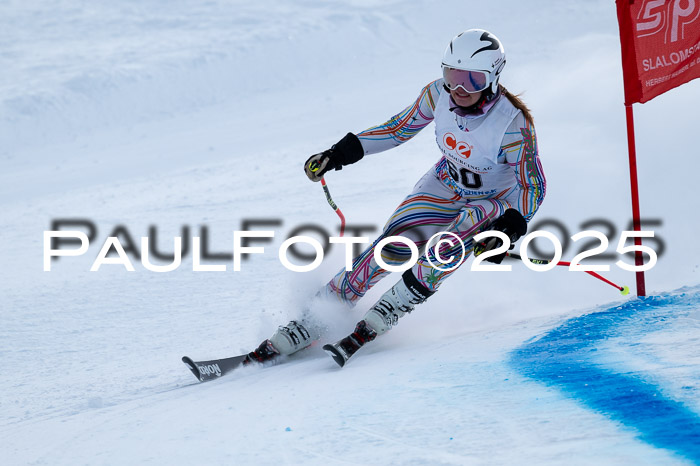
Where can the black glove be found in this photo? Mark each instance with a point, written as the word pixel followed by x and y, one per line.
pixel 345 152
pixel 513 224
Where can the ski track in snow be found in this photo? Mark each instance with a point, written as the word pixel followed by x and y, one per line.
pixel 189 114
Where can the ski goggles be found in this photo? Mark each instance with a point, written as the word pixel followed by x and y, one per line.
pixel 468 80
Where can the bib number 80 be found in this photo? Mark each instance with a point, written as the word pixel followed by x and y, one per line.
pixel 466 178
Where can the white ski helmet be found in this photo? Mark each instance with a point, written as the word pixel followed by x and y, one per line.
pixel 473 61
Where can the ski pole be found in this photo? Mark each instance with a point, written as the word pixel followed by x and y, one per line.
pixel 624 290
pixel 314 166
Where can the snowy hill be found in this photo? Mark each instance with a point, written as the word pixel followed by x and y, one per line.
pixel 183 115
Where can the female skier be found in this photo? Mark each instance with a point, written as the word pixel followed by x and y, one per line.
pixel 488 177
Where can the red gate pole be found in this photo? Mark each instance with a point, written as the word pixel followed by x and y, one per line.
pixel 638 258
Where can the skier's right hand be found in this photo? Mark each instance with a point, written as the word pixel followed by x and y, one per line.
pixel 318 164
pixel 346 151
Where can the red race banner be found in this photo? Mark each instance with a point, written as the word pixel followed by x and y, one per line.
pixel 660 45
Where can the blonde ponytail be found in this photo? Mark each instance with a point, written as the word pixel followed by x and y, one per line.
pixel 519 104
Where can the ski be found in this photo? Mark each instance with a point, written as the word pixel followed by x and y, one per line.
pixel 343 349
pixel 210 370
pixel 336 354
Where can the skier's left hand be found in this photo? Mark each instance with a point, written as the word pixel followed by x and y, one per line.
pixel 513 224
pixel 488 245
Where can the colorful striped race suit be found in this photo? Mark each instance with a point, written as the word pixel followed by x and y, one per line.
pixel 489 163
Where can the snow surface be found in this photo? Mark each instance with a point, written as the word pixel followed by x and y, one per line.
pixel 183 113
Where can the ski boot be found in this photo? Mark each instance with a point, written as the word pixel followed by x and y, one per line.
pixel 400 300
pixel 288 339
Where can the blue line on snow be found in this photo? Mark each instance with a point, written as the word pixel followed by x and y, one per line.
pixel 564 358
